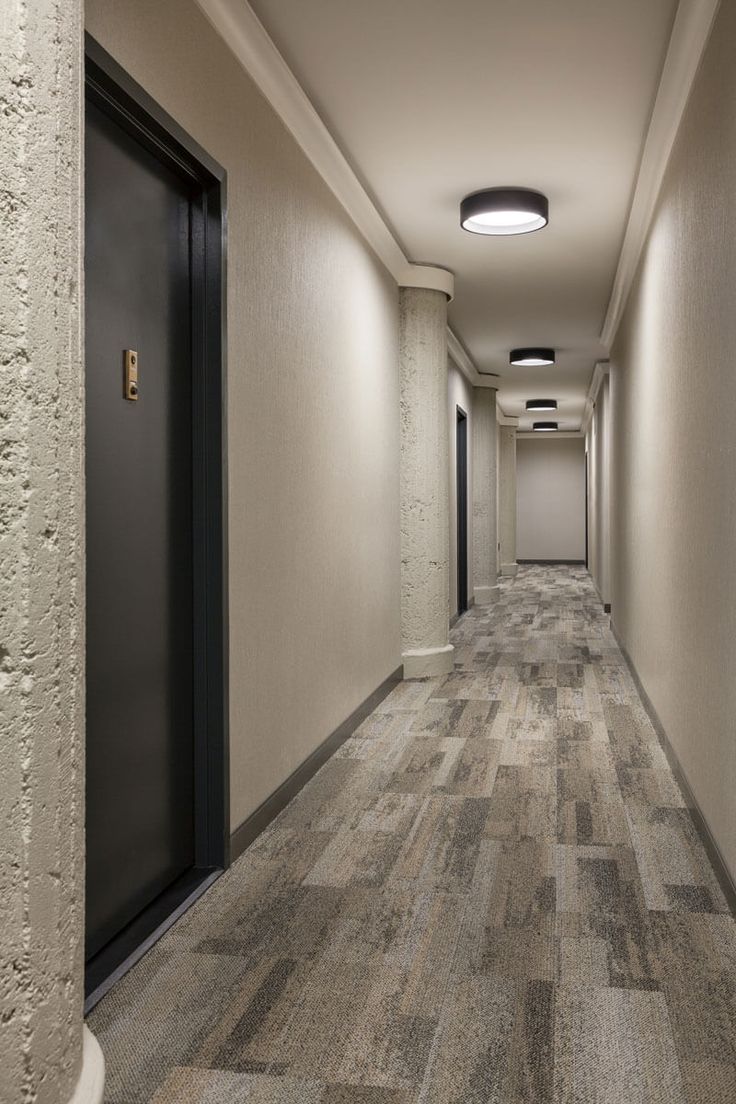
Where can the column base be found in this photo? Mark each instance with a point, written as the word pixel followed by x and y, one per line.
pixel 91 1083
pixel 426 662
pixel 509 569
pixel 486 595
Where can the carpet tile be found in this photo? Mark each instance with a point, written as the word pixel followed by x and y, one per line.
pixel 493 893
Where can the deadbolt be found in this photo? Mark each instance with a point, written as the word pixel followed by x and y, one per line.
pixel 130 375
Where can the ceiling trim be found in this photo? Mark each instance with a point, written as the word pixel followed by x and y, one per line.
pixel 460 356
pixel 239 26
pixel 690 33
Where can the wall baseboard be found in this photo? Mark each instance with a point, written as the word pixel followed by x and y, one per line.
pixel 456 616
pixel 607 609
pixel 258 820
pixel 552 563
pixel 723 874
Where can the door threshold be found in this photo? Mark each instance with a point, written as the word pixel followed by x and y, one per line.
pixel 115 959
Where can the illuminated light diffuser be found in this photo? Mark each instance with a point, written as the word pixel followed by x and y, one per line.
pixel 504 211
pixel 532 358
pixel 541 404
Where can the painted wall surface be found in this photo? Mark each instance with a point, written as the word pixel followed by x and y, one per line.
pixel 42 555
pixel 459 393
pixel 599 489
pixel 313 408
pixel 550 498
pixel 674 452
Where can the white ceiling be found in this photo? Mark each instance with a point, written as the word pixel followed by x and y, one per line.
pixel 432 99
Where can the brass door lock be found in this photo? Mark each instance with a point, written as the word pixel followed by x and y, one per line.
pixel 130 375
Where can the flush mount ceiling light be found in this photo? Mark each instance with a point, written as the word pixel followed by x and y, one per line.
pixel 541 404
pixel 531 358
pixel 545 427
pixel 504 211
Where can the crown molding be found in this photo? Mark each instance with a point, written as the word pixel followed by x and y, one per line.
pixel 244 34
pixel 460 356
pixel 690 33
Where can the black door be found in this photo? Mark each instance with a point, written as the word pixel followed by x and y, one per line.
pixel 462 511
pixel 140 752
pixel 154 526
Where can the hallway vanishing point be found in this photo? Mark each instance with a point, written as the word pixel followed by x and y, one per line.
pixel 492 893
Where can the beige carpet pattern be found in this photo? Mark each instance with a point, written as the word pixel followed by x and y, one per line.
pixel 492 894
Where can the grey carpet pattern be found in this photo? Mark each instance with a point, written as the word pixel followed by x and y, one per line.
pixel 492 894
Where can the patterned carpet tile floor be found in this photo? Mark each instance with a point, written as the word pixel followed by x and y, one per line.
pixel 492 894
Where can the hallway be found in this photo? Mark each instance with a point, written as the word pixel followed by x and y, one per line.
pixel 492 893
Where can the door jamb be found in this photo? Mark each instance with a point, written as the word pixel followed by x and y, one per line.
pixel 463 604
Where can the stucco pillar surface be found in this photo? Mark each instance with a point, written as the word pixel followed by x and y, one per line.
pixel 507 499
pixel 425 537
pixel 485 553
pixel 46 1054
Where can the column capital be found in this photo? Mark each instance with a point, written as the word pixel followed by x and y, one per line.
pixel 432 277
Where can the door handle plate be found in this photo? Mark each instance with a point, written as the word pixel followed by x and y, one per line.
pixel 130 375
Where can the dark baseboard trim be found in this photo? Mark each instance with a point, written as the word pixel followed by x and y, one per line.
pixel 552 563
pixel 114 961
pixel 456 616
pixel 607 609
pixel 252 826
pixel 726 882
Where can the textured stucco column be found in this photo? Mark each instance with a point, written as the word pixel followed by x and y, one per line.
pixel 507 499
pixel 425 533
pixel 46 1054
pixel 485 551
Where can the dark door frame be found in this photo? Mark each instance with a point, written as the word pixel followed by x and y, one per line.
pixel 461 473
pixel 110 88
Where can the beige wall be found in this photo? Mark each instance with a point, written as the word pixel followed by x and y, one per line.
pixel 674 449
pixel 313 403
pixel 599 486
pixel 459 393
pixel 550 498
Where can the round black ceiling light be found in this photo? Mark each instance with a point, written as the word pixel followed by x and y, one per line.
pixel 541 404
pixel 545 427
pixel 532 358
pixel 504 211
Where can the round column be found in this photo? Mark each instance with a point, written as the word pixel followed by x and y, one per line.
pixel 425 536
pixel 485 551
pixel 507 499
pixel 46 1054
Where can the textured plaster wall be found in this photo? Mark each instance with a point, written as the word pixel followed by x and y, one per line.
pixel 425 536
pixel 459 393
pixel 41 550
pixel 506 498
pixel 674 453
pixel 485 477
pixel 550 494
pixel 313 400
